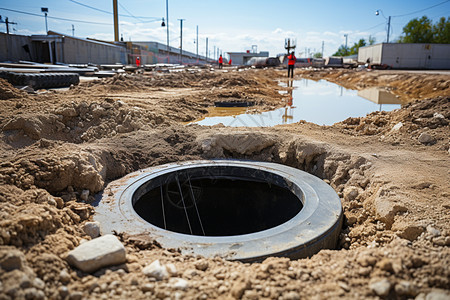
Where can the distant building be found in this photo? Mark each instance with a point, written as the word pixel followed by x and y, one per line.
pixel 406 56
pixel 241 58
pixel 55 48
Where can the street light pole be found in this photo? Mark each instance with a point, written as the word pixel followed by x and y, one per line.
pixel 181 40
pixel 167 20
pixel 197 43
pixel 346 51
pixel 45 11
pixel 377 13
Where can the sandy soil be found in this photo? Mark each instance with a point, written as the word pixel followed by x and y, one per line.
pixel 391 171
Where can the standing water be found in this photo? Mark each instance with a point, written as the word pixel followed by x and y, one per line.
pixel 320 102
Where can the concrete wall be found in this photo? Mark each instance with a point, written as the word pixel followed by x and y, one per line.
pixel 79 51
pixel 407 56
pixel 241 58
pixel 11 47
pixel 155 52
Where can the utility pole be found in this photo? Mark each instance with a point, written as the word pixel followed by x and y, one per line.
pixel 116 21
pixel 346 37
pixel 73 30
pixel 214 53
pixel 7 23
pixel 288 45
pixel 389 28
pixel 323 43
pixel 206 53
pixel 167 20
pixel 181 40
pixel 197 43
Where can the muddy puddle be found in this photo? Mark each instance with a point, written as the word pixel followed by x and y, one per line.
pixel 320 102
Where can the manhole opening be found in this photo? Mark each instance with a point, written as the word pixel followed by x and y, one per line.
pixel 217 201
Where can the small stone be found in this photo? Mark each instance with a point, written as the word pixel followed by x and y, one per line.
pixel 202 265
pixel 438 295
pixel 63 291
pixel 433 231
pixel 64 276
pixel 148 287
pixel 381 288
pixel 447 241
pixel 426 138
pixel 405 288
pixel 439 241
pixel 34 294
pixel 350 193
pixel 397 126
pixel 291 296
pixel 84 195
pixel 156 270
pixel 11 260
pixel 239 288
pixel 438 115
pixel 97 253
pixel 76 296
pixel 92 229
pixel 38 283
pixel 24 281
pixel 171 269
pixel 253 295
pixel 179 283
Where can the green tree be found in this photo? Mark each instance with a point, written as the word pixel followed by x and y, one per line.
pixel 441 31
pixel 342 51
pixel 417 31
pixel 356 46
pixel 317 55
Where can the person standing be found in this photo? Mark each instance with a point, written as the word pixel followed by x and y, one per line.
pixel 229 62
pixel 138 61
pixel 291 64
pixel 220 62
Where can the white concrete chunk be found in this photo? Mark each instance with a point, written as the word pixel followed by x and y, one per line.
pixel 104 251
pixel 156 270
pixel 92 229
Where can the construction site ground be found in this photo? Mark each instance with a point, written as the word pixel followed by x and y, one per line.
pixel 390 169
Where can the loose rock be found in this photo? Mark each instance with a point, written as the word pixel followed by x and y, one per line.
pixel 97 253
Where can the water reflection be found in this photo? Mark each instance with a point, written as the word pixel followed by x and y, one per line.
pixel 320 102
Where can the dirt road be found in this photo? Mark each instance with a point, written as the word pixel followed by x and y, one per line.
pixel 390 169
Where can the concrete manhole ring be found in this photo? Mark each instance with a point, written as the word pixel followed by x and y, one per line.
pixel 235 209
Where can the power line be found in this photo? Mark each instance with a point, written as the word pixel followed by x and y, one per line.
pixel 123 7
pixel 421 10
pixel 56 18
pixel 110 13
pixel 373 26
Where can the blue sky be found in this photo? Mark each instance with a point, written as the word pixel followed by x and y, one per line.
pixel 229 25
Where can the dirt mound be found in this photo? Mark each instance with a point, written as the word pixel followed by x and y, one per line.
pixel 7 91
pixel 426 121
pixel 82 122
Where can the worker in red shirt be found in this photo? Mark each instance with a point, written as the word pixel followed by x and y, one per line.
pixel 138 61
pixel 229 62
pixel 220 62
pixel 291 64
